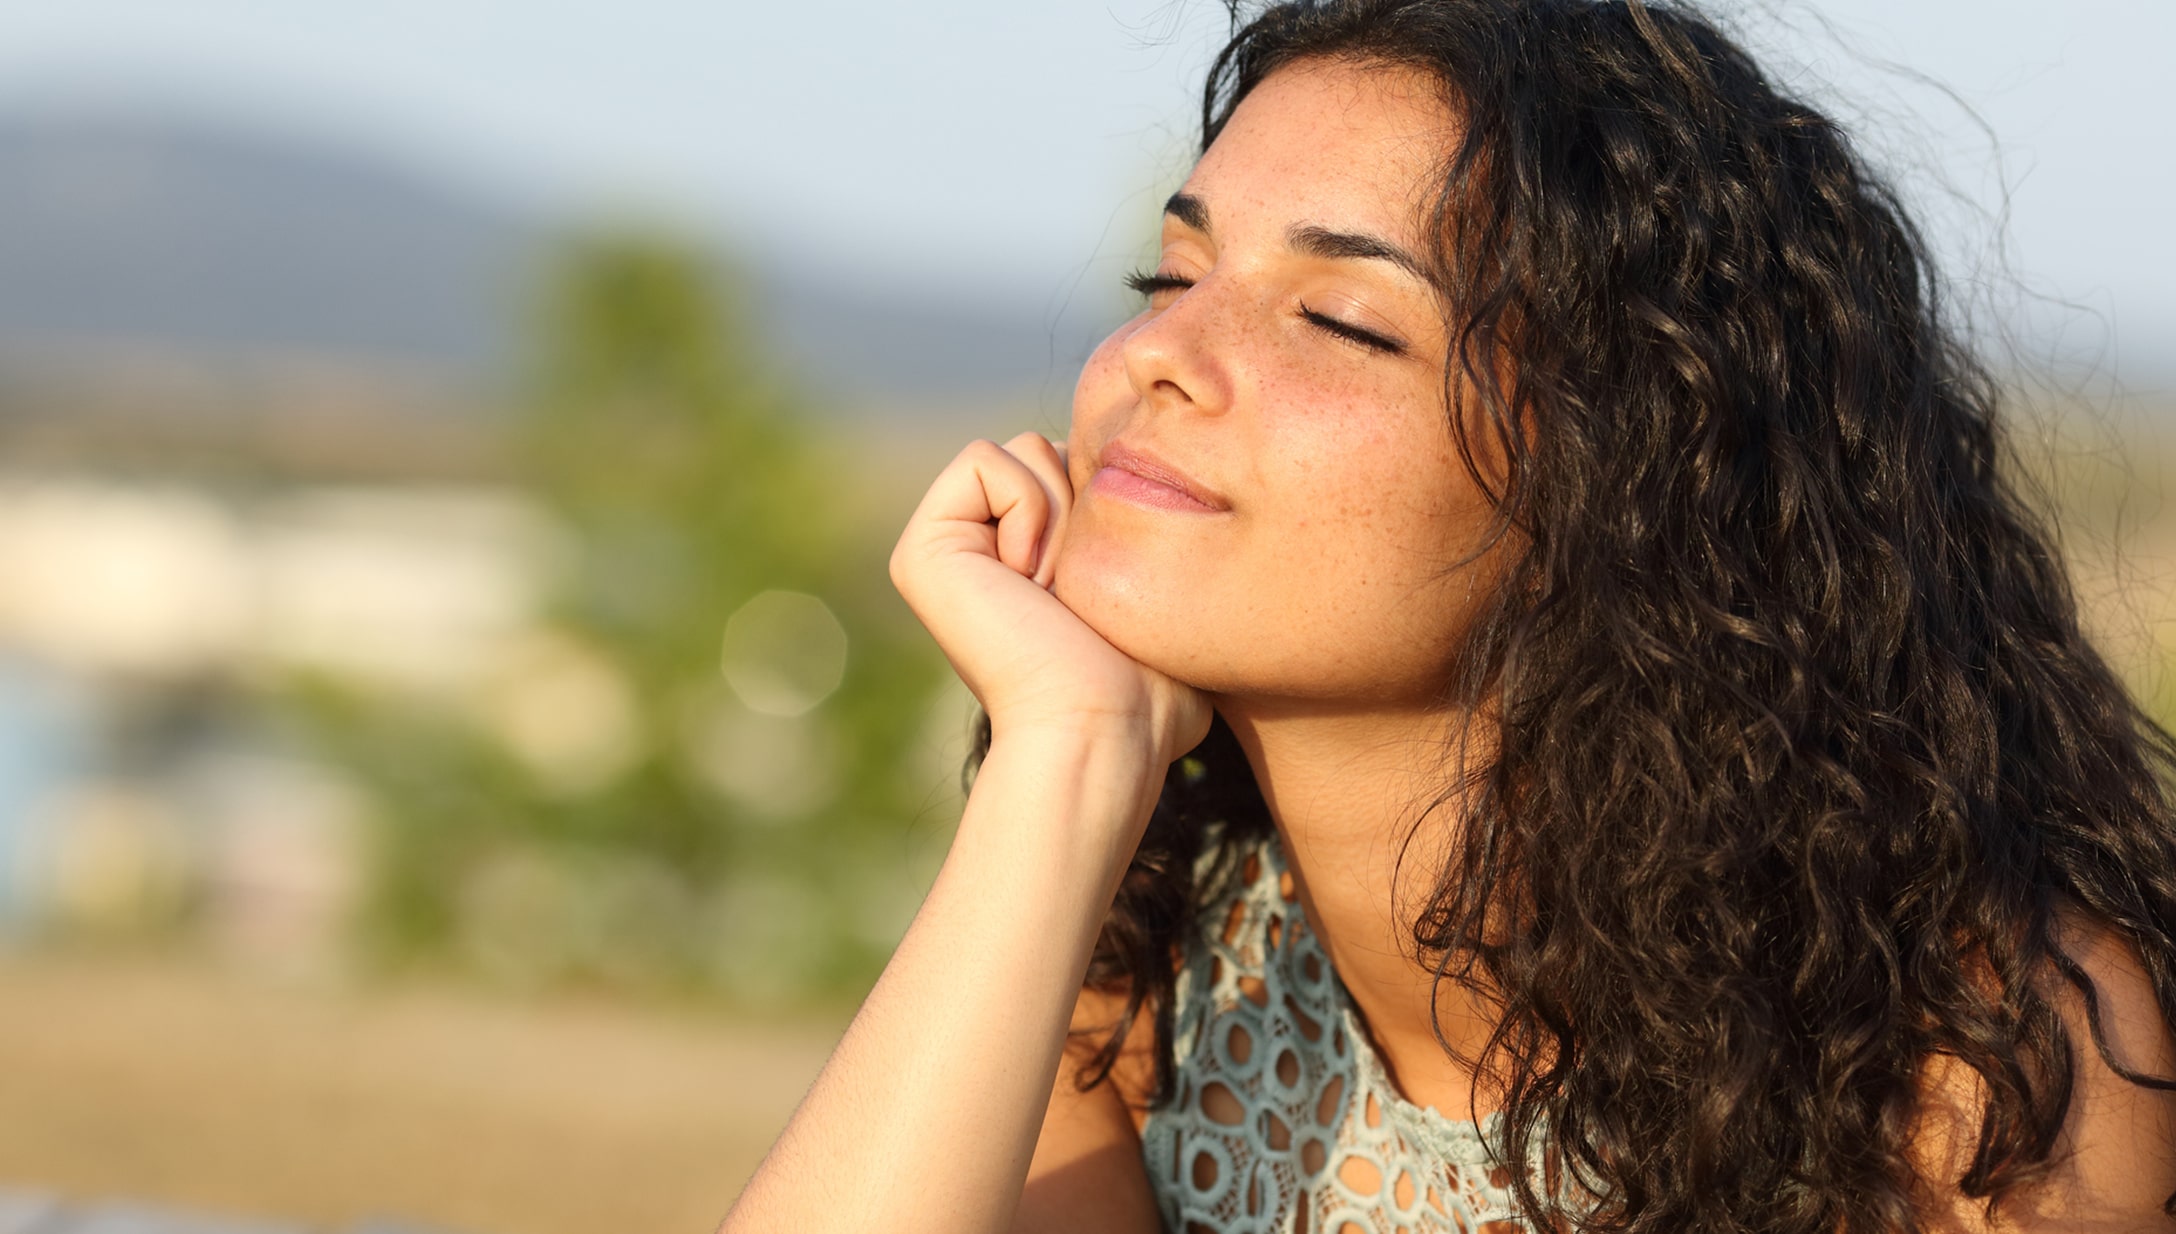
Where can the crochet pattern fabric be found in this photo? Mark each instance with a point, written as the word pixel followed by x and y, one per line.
pixel 1285 1120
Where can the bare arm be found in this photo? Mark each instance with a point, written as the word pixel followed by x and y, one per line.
pixel 2115 1163
pixel 930 1110
pixel 1087 1176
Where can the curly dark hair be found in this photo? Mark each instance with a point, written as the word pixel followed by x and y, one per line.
pixel 1795 748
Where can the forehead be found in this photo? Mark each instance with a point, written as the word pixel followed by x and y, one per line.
pixel 1332 143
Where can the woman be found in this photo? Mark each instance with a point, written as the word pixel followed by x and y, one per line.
pixel 1642 769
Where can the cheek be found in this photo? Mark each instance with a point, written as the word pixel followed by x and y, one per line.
pixel 1101 394
pixel 1366 477
pixel 1331 581
pixel 1370 522
pixel 1330 576
pixel 1373 507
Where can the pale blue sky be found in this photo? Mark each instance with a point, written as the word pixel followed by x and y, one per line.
pixel 972 144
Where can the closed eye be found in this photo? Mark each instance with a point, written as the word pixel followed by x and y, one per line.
pixel 1148 284
pixel 1351 333
pixel 1151 284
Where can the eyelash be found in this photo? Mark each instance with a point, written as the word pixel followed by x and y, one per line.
pixel 1144 283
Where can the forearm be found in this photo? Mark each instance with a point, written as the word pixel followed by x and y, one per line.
pixel 927 1114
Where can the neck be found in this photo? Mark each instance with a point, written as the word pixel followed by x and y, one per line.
pixel 1345 789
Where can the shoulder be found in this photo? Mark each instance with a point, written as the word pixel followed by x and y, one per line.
pixel 2115 1165
pixel 1096 1014
pixel 1087 1173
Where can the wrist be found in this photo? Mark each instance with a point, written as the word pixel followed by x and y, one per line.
pixel 1079 793
pixel 1160 724
pixel 1105 736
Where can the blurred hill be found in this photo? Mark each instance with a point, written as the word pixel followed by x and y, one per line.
pixel 180 275
pixel 135 228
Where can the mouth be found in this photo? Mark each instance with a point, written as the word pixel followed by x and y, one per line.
pixel 1134 475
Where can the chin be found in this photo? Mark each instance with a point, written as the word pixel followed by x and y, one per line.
pixel 1178 614
pixel 1154 616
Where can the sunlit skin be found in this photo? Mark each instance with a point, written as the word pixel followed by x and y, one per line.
pixel 1318 610
pixel 1326 578
pixel 1260 510
pixel 1315 600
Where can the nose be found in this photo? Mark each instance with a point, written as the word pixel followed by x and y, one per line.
pixel 1176 358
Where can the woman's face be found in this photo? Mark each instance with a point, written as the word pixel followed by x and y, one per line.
pixel 1287 372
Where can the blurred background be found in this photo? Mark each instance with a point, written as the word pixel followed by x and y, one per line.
pixel 461 760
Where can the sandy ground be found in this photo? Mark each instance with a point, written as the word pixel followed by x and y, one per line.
pixel 182 1085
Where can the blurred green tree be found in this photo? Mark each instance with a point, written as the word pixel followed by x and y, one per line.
pixel 699 766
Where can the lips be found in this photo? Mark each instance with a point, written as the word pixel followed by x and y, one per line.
pixel 1134 473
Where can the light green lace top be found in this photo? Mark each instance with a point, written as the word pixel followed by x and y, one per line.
pixel 1285 1120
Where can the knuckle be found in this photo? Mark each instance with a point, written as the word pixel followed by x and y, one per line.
pixel 970 457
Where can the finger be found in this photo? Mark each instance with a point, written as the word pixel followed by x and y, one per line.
pixel 1045 458
pixel 1065 463
pixel 1023 531
pixel 977 486
pixel 993 498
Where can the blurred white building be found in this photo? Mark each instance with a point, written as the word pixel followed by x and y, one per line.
pixel 123 605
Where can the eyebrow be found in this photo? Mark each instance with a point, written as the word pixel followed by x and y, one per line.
pixel 1312 239
pixel 1190 210
pixel 1322 242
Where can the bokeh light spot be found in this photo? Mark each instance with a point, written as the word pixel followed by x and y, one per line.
pixel 784 653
